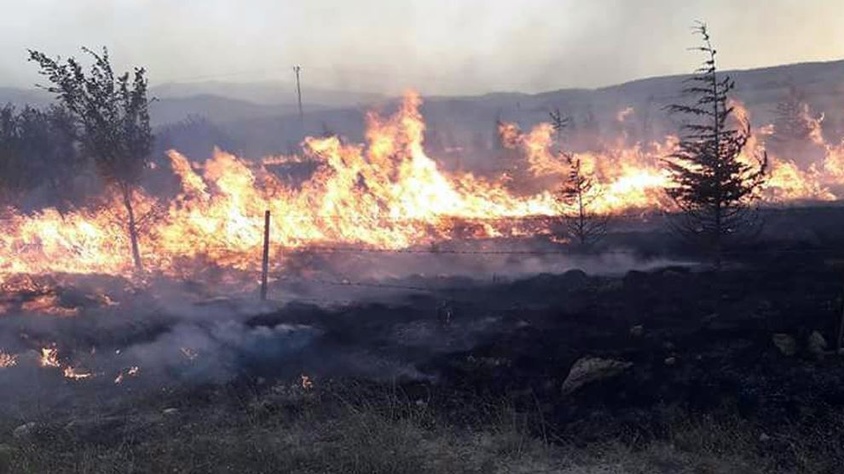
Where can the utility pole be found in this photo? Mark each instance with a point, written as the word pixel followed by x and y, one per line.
pixel 296 69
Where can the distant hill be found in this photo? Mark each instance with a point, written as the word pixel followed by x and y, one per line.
pixel 466 122
pixel 217 101
pixel 220 109
pixel 262 118
pixel 267 93
pixel 20 97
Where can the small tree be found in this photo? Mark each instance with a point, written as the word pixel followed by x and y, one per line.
pixel 560 122
pixel 576 197
pixel 791 124
pixel 112 119
pixel 797 133
pixel 712 186
pixel 37 153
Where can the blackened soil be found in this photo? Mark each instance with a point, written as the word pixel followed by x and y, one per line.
pixel 699 341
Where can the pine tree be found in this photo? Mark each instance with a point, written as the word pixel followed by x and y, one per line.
pixel 578 194
pixel 713 187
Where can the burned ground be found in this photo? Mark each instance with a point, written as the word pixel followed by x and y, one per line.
pixel 738 367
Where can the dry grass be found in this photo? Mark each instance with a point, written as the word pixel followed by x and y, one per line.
pixel 292 430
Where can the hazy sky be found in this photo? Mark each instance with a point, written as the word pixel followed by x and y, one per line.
pixel 436 46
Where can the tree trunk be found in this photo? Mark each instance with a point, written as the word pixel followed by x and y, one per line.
pixel 716 243
pixel 581 217
pixel 132 227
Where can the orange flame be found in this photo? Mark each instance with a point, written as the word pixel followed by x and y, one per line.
pixel 49 357
pixel 76 374
pixel 387 193
pixel 7 360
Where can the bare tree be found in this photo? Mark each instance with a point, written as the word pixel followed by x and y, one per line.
pixel 112 119
pixel 560 122
pixel 576 198
pixel 713 187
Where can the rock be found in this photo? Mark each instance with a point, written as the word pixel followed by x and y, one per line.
pixel 170 411
pixel 25 430
pixel 816 344
pixel 764 437
pixel 669 361
pixel 669 346
pixel 785 343
pixel 591 369
pixel 637 330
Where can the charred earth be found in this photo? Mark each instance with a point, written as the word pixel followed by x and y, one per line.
pixel 670 367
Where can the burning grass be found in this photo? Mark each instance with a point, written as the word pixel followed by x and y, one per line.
pixel 386 194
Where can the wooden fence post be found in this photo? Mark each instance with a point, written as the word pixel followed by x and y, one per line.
pixel 265 263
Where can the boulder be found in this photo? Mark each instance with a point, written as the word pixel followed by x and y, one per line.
pixel 637 330
pixel 816 344
pixel 588 369
pixel 785 343
pixel 25 430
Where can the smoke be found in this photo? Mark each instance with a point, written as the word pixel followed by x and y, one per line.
pixel 447 47
pixel 170 332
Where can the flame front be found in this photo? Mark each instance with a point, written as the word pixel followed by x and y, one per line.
pixel 49 357
pixel 386 194
pixel 7 360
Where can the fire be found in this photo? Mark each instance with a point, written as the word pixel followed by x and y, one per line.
pixel 50 357
pixel 48 304
pixel 130 372
pixel 76 374
pixel 7 360
pixel 387 194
